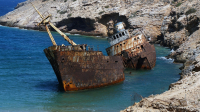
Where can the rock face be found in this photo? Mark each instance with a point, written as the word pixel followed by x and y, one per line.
pixel 159 20
pixel 91 15
pixel 172 23
pixel 181 23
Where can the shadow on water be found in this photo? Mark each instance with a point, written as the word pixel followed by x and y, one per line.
pixel 53 85
pixel 135 97
pixel 48 86
pixel 129 71
pixel 85 100
pixel 96 99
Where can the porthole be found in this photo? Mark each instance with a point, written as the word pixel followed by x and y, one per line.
pixel 123 33
pixel 114 37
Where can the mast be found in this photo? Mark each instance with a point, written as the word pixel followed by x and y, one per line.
pixel 45 21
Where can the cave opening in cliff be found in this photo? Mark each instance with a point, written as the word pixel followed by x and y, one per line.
pixel 192 25
pixel 115 17
pixel 175 26
pixel 160 37
pixel 78 23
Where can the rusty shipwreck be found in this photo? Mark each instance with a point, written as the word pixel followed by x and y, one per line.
pixel 78 67
pixel 136 51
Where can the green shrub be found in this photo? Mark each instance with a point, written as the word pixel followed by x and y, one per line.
pixel 107 6
pixel 69 15
pixel 74 0
pixel 178 4
pixel 62 12
pixel 44 0
pixel 133 14
pixel 101 12
pixel 192 10
pixel 65 1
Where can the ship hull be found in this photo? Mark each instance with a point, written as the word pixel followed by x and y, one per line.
pixel 136 52
pixel 84 69
pixel 143 60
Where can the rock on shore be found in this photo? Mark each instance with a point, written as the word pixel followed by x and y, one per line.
pixel 183 96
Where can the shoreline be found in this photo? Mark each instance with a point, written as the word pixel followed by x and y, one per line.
pixel 183 95
pixel 68 33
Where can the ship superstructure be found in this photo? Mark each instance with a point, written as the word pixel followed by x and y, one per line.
pixel 136 51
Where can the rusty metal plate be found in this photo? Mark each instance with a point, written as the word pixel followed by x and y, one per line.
pixel 84 69
pixel 136 52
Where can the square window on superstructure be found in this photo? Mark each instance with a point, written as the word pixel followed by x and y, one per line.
pixel 123 33
pixel 117 36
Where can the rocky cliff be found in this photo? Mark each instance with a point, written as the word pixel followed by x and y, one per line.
pixel 91 15
pixel 160 20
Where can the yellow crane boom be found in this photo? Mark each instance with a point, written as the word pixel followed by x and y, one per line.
pixel 46 21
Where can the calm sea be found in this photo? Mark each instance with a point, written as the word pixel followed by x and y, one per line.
pixel 28 82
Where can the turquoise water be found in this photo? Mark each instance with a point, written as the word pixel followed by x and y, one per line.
pixel 28 82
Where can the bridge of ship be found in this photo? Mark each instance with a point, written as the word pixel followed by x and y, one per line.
pixel 122 41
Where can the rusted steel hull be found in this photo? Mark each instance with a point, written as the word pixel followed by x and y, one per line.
pixel 136 52
pixel 82 69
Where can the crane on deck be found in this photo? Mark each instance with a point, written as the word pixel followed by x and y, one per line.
pixel 45 21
